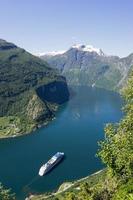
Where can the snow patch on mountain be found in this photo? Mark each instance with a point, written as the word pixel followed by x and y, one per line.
pixel 52 53
pixel 80 47
pixel 88 48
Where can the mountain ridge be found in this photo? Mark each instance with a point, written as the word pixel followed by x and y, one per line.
pixel 82 47
pixel 86 65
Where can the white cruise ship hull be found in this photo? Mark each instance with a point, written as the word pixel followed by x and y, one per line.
pixel 50 164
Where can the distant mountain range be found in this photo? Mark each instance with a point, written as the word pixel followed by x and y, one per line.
pixel 30 91
pixel 86 65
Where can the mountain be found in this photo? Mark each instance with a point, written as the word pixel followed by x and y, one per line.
pixel 86 65
pixel 30 91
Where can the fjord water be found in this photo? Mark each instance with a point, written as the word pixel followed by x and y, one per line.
pixel 75 131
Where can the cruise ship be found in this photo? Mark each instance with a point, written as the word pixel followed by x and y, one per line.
pixel 51 163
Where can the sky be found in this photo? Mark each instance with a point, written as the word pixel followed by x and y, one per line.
pixel 49 25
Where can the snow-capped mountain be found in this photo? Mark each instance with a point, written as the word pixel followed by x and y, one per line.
pixel 52 53
pixel 88 48
pixel 80 47
pixel 87 65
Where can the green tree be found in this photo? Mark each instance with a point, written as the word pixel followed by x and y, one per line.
pixel 5 194
pixel 70 196
pixel 124 192
pixel 117 148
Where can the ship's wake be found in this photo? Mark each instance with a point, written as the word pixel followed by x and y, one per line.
pixel 26 188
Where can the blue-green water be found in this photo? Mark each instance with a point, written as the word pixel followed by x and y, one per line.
pixel 75 131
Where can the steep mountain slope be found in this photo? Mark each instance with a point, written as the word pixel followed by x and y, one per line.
pixel 86 65
pixel 22 75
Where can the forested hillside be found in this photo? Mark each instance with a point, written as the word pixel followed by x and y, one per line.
pixel 22 75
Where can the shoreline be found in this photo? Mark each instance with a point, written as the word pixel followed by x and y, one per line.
pixel 46 123
pixel 65 186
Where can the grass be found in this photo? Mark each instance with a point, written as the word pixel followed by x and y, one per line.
pixel 9 126
pixel 13 126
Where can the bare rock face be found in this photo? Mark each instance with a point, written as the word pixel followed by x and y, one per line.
pixel 55 92
pixel 86 65
pixel 35 108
